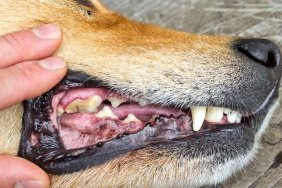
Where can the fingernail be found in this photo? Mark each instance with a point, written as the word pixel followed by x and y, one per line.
pixel 49 31
pixel 53 63
pixel 29 184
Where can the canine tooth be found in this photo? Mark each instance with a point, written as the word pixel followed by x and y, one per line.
pixel 239 118
pixel 106 112
pixel 60 111
pixel 131 118
pixel 116 101
pixel 214 114
pixel 227 110
pixel 232 117
pixel 90 104
pixel 198 116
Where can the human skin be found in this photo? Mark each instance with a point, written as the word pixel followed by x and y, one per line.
pixel 27 69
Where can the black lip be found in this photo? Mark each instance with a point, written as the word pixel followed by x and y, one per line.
pixel 56 160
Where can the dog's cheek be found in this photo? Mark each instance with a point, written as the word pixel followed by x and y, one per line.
pixel 10 129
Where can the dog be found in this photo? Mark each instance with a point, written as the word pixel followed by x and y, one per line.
pixel 141 106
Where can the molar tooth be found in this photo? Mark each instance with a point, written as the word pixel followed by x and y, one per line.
pixel 198 116
pixel 72 107
pixel 214 114
pixel 131 118
pixel 90 104
pixel 116 101
pixel 232 117
pixel 106 112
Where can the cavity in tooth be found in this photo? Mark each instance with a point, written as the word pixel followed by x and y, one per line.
pixel 91 104
pixel 116 101
pixel 60 111
pixel 198 116
pixel 239 118
pixel 226 111
pixel 106 112
pixel 232 117
pixel 131 118
pixel 214 114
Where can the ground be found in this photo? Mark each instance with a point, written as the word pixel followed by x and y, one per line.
pixel 249 18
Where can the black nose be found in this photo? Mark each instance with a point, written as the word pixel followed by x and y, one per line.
pixel 261 51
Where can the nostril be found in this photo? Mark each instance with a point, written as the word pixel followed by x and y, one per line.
pixel 261 51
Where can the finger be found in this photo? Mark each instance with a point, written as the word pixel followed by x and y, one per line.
pixel 16 172
pixel 29 79
pixel 28 45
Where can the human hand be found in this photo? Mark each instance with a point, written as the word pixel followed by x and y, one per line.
pixel 24 74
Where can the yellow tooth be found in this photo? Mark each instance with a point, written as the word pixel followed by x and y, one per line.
pixel 60 111
pixel 131 118
pixel 87 105
pixel 72 107
pixel 198 116
pixel 90 104
pixel 116 101
pixel 214 114
pixel 106 112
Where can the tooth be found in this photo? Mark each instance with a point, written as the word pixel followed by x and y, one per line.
pixel 131 118
pixel 91 104
pixel 106 112
pixel 214 114
pixel 87 105
pixel 60 111
pixel 198 116
pixel 142 103
pixel 226 111
pixel 232 117
pixel 72 107
pixel 239 118
pixel 116 101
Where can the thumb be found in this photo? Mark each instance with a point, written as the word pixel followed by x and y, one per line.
pixel 16 172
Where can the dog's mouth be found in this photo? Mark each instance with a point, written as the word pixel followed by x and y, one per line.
pixel 80 124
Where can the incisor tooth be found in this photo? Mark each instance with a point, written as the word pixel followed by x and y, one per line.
pixel 214 114
pixel 87 105
pixel 106 112
pixel 232 117
pixel 239 118
pixel 116 101
pixel 227 110
pixel 198 116
pixel 131 118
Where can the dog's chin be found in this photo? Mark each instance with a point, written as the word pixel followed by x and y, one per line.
pixel 61 139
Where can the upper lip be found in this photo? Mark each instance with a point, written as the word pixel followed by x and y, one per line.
pixel 43 157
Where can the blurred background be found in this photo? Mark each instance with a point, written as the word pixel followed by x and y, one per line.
pixel 247 18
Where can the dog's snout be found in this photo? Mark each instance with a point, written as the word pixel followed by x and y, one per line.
pixel 261 51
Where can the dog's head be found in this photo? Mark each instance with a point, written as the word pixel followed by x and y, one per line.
pixel 142 105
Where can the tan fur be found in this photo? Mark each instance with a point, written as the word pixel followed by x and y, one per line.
pixel 109 46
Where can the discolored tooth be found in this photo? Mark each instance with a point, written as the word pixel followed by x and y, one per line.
pixel 198 116
pixel 72 107
pixel 214 114
pixel 116 101
pixel 232 117
pixel 239 118
pixel 106 112
pixel 227 110
pixel 131 118
pixel 60 111
pixel 91 104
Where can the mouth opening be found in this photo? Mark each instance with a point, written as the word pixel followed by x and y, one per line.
pixel 80 123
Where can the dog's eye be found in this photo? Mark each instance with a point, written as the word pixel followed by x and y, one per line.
pixel 85 3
